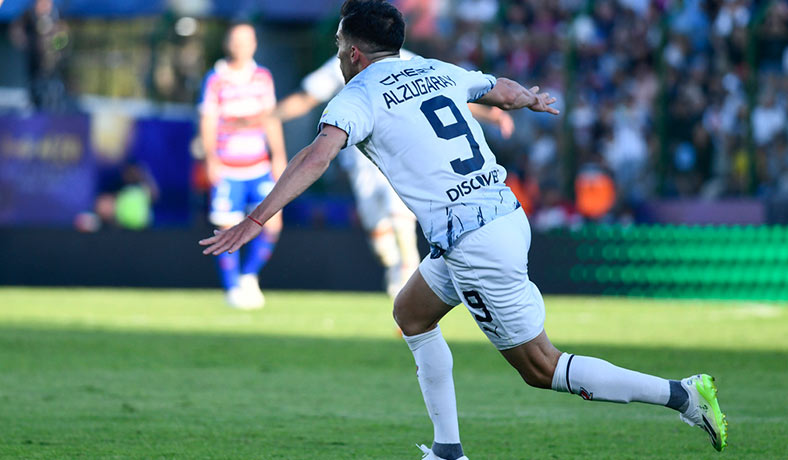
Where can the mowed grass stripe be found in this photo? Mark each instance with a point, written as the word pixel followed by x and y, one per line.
pixel 78 379
pixel 602 320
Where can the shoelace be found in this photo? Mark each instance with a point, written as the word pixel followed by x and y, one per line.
pixel 424 449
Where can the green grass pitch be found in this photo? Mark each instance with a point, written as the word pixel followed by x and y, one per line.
pixel 161 374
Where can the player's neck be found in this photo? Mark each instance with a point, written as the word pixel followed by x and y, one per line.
pixel 367 60
pixel 379 56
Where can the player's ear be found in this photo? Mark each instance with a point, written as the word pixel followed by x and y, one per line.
pixel 355 54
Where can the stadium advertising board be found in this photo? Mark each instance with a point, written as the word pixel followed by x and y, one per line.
pixel 46 173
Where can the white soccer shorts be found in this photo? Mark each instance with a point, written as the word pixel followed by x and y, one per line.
pixel 488 271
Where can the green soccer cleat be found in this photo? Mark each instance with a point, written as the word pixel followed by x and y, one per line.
pixel 704 410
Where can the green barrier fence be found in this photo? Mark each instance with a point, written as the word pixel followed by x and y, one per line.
pixel 737 262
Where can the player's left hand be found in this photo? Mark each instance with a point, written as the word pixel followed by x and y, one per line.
pixel 232 239
pixel 542 101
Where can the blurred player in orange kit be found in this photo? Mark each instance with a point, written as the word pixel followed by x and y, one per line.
pixel 245 154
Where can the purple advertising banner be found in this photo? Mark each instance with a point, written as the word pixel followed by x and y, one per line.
pixel 47 175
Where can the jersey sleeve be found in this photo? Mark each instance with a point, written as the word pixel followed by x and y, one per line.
pixel 478 84
pixel 325 82
pixel 350 111
pixel 209 98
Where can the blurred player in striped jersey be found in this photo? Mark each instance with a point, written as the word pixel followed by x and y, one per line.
pixel 391 226
pixel 245 154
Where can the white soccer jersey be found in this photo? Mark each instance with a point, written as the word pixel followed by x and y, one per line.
pixel 323 84
pixel 411 118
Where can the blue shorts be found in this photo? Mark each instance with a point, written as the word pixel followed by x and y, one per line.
pixel 232 199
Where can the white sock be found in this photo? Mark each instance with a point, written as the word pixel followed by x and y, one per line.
pixel 434 365
pixel 599 380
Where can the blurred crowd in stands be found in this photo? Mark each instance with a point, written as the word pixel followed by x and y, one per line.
pixel 660 98
pixel 43 37
pixel 657 94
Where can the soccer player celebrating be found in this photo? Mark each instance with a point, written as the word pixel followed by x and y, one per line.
pixel 411 118
pixel 391 226
pixel 245 153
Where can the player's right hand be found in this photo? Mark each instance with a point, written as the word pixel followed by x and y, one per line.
pixel 232 239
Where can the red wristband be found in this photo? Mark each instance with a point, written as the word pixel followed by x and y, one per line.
pixel 255 220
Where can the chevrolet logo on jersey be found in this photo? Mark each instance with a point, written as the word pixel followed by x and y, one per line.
pixel 394 78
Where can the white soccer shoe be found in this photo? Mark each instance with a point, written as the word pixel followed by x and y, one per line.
pixel 251 289
pixel 429 455
pixel 238 298
pixel 704 410
pixel 235 298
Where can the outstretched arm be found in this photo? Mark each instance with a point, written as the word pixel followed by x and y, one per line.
pixel 208 129
pixel 510 95
pixel 495 116
pixel 304 169
pixel 276 141
pixel 295 105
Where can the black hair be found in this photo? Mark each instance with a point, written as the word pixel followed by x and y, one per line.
pixel 375 22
